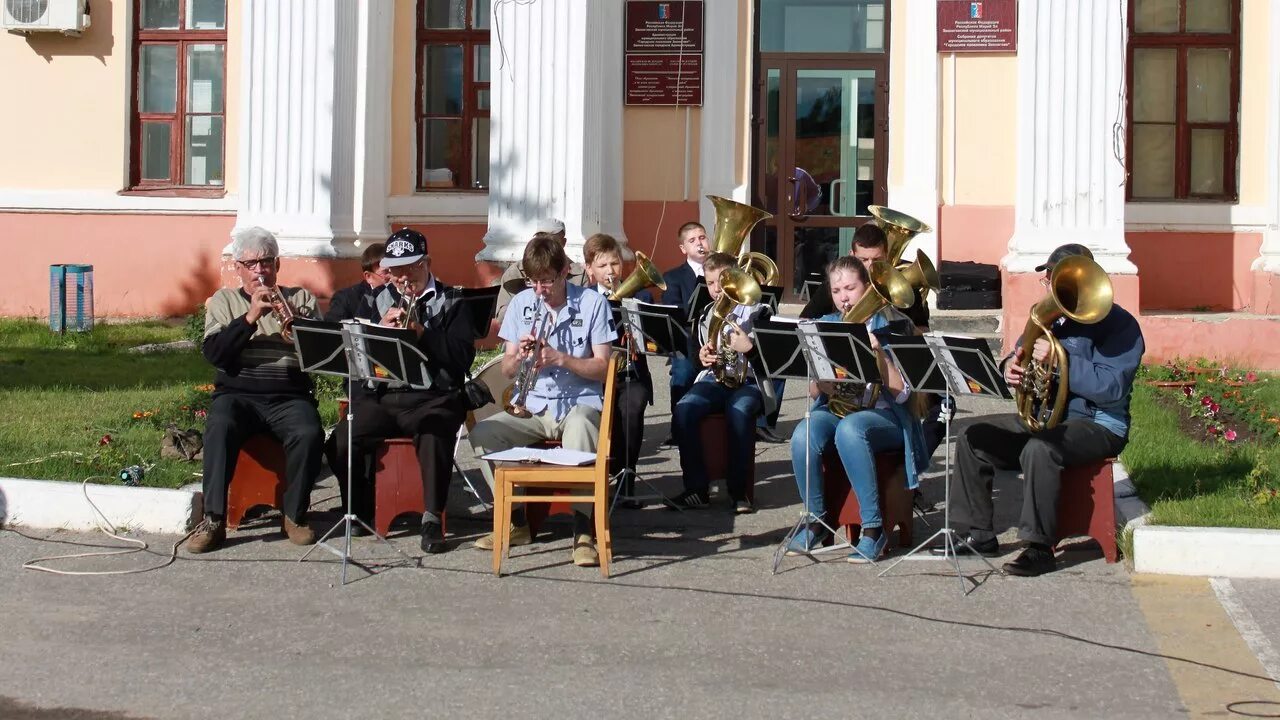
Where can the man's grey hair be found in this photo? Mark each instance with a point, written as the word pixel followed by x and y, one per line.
pixel 255 241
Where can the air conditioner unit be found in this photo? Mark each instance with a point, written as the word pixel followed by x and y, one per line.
pixel 69 17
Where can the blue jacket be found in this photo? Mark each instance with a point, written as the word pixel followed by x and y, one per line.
pixel 1102 360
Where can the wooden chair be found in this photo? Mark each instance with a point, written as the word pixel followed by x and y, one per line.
pixel 895 498
pixel 259 478
pixel 1087 505
pixel 715 452
pixel 548 479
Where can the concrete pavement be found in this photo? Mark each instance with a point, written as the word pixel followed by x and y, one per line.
pixel 693 624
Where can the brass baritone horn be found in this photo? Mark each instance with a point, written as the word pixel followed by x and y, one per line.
pixel 737 287
pixel 900 229
pixel 645 275
pixel 734 221
pixel 922 275
pixel 888 286
pixel 1080 289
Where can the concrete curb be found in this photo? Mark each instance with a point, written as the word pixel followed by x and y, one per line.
pixel 61 505
pixel 1218 552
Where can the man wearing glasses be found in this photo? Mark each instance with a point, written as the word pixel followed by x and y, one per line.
pixel 258 388
pixel 572 358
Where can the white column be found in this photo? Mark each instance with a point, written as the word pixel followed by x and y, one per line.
pixel 1269 257
pixel 1071 67
pixel 718 153
pixel 315 93
pixel 556 123
pixel 915 78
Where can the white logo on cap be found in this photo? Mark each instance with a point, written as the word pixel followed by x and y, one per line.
pixel 398 248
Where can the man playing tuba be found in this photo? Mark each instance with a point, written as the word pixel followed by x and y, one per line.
pixel 1102 359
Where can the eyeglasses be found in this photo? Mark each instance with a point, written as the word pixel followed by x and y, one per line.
pixel 540 283
pixel 264 262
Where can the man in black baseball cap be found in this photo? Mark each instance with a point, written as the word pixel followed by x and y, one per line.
pixel 1062 252
pixel 406 246
pixel 1102 360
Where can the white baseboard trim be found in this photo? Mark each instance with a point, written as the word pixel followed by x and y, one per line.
pixel 1209 552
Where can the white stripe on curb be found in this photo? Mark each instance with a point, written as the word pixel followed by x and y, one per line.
pixel 1247 627
pixel 60 505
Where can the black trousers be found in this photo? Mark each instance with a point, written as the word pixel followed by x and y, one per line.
pixel 628 427
pixel 431 418
pixel 1003 443
pixel 234 418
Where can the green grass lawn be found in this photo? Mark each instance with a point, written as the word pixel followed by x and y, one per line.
pixel 1187 482
pixel 60 395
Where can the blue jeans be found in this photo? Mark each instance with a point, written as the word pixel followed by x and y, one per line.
pixel 857 437
pixel 683 373
pixel 741 407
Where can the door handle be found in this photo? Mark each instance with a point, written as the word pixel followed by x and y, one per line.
pixel 835 196
pixel 796 215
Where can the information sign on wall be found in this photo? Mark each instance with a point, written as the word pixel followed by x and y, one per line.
pixel 970 26
pixel 663 52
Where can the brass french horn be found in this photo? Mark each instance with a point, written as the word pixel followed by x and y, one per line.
pixel 1079 289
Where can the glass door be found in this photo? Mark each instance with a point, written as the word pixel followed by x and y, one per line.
pixel 821 158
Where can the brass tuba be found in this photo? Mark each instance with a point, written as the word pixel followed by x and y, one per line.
pixel 900 229
pixel 1079 289
pixel 737 287
pixel 734 221
pixel 888 287
pixel 921 275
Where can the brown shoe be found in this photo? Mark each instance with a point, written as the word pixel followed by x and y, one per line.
pixel 299 534
pixel 584 551
pixel 208 535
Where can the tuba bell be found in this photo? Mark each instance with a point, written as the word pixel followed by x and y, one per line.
pixel 734 221
pixel 900 229
pixel 888 286
pixel 922 275
pixel 1079 289
pixel 737 287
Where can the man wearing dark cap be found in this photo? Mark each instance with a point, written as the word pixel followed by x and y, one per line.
pixel 1102 359
pixel 445 334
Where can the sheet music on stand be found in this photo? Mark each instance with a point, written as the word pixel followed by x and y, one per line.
pixel 657 329
pixel 779 349
pixel 840 351
pixel 941 364
pixel 387 354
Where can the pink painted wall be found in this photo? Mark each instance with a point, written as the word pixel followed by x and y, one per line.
pixel 975 233
pixel 1194 271
pixel 1266 293
pixel 144 265
pixel 1243 340
pixel 652 231
pixel 453 251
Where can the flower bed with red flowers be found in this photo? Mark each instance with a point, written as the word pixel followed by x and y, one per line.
pixel 1217 403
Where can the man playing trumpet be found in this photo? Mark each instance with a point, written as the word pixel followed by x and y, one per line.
pixel 441 321
pixel 1102 360
pixel 882 420
pixel 561 335
pixel 259 388
pixel 742 402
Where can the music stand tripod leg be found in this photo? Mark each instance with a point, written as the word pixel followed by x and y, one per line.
pixel 946 532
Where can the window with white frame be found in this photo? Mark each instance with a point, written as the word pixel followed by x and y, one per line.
pixel 452 104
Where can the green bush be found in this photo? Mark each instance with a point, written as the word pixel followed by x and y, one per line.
pixel 195 325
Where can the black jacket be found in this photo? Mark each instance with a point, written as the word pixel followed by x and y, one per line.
pixel 448 337
pixel 680 280
pixel 347 302
pixel 641 365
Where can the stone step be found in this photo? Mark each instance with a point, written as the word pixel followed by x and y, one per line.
pixel 964 322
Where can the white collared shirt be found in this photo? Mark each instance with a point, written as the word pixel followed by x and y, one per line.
pixel 697 267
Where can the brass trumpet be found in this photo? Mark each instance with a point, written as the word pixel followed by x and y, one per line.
pixel 281 310
pixel 407 303
pixel 1080 289
pixel 517 395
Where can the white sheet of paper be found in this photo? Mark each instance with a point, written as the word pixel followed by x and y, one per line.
pixel 553 456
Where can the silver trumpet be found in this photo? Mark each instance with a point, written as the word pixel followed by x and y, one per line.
pixel 527 375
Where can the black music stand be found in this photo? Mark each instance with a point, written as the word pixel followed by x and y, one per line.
pixel 829 351
pixel 358 352
pixel 771 295
pixel 698 301
pixel 652 330
pixel 947 365
pixel 483 303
